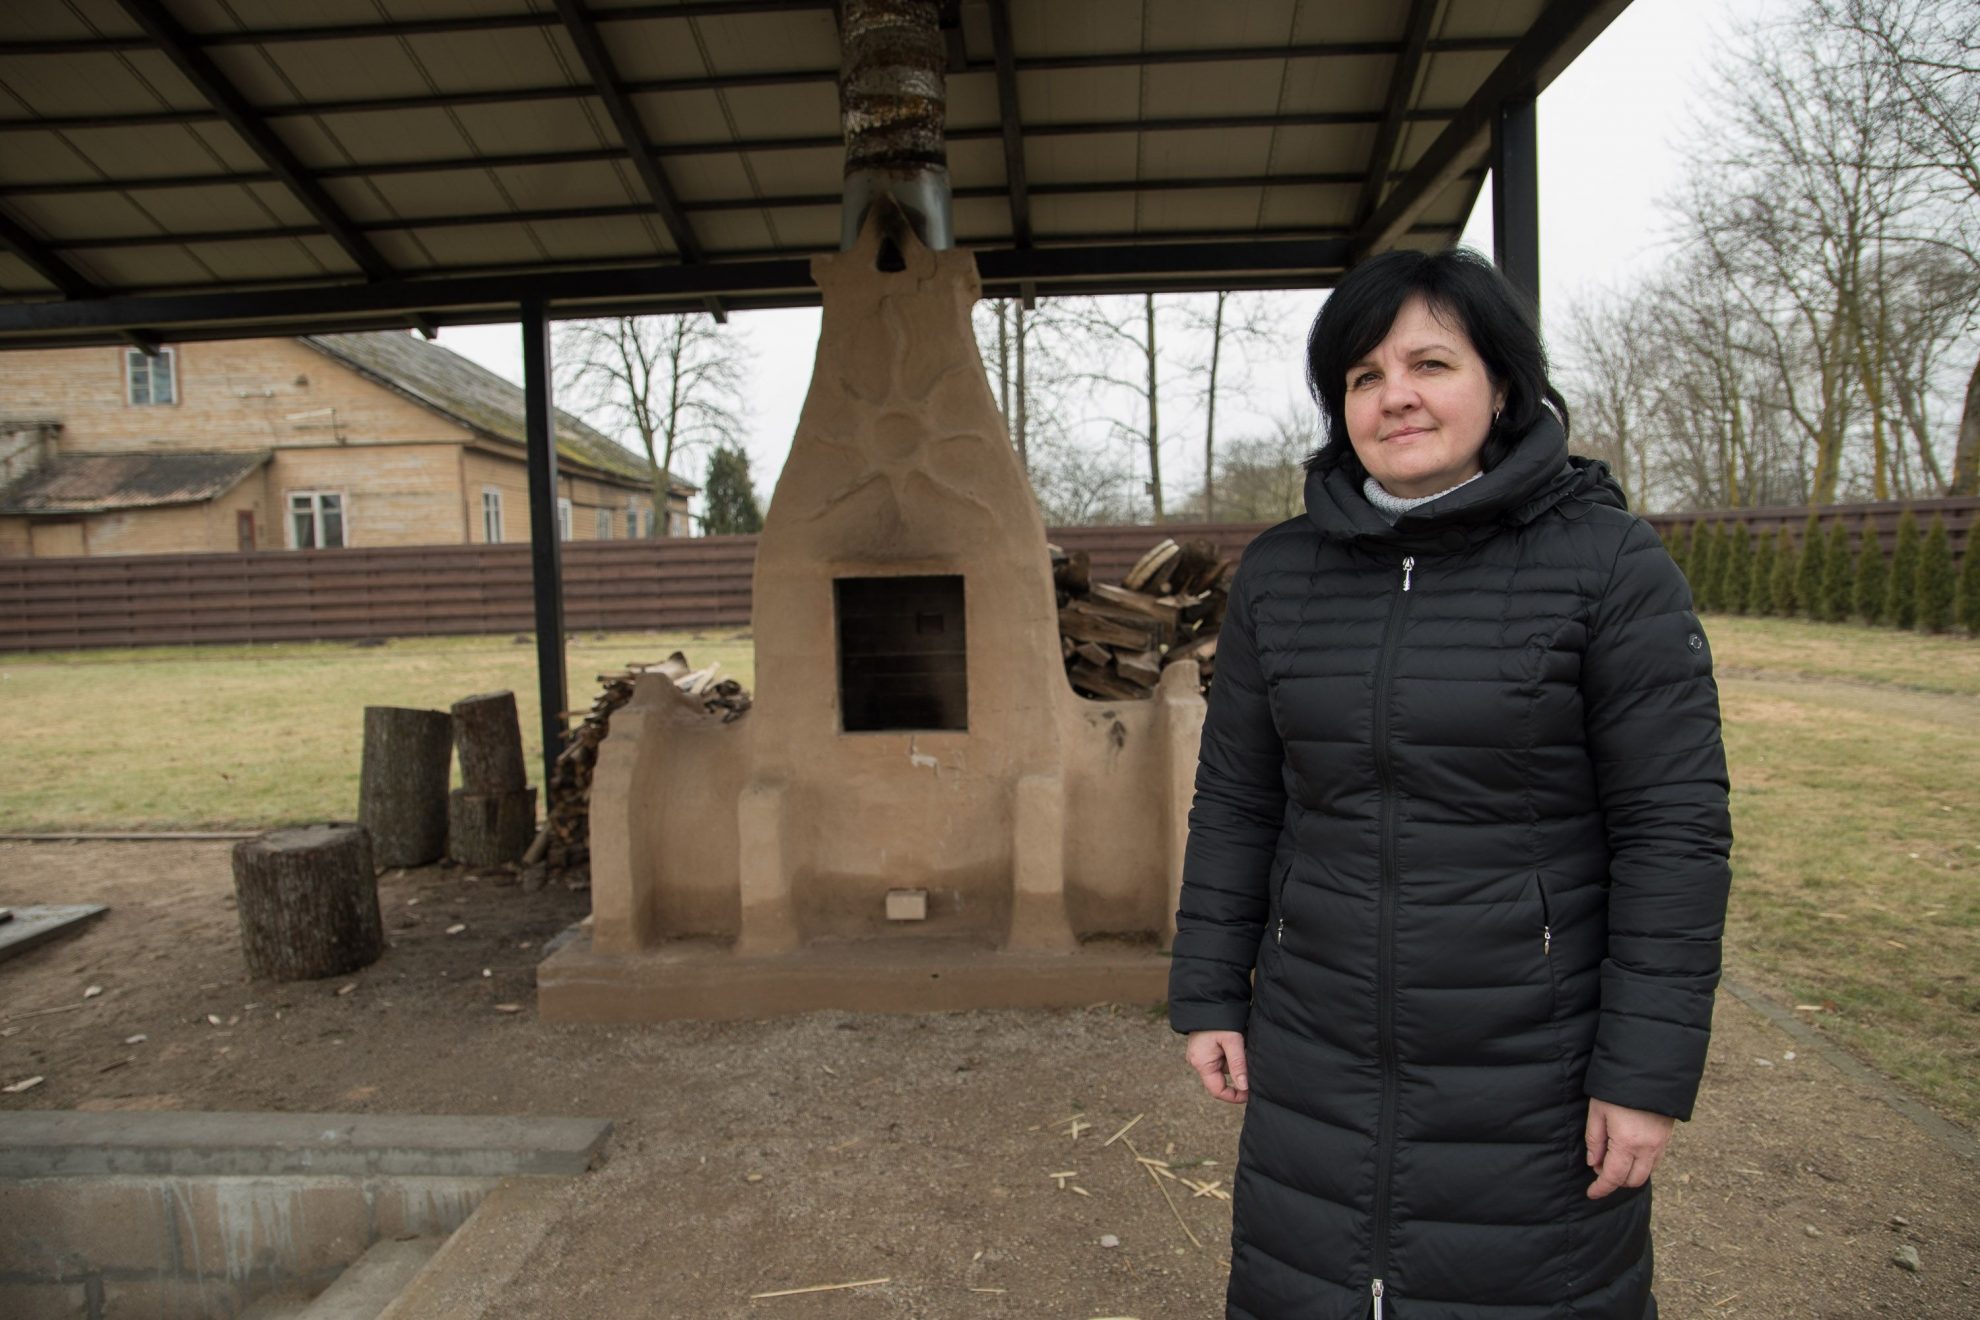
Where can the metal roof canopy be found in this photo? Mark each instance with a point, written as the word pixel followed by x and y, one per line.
pixel 188 169
pixel 175 172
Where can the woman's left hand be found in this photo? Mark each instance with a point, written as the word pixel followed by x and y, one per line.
pixel 1624 1145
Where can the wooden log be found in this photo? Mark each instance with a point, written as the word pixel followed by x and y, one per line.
pixel 1134 602
pixel 488 737
pixel 1097 682
pixel 488 829
pixel 402 784
pixel 1193 568
pixel 1083 623
pixel 1151 566
pixel 1203 647
pixel 308 902
pixel 1142 668
pixel 1075 574
pixel 1093 653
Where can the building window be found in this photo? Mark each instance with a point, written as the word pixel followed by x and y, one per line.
pixel 491 515
pixel 632 523
pixel 316 520
pixel 649 524
pixel 150 378
pixel 604 524
pixel 677 523
pixel 563 520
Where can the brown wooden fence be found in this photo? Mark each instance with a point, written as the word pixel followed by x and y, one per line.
pixel 629 586
pixel 328 595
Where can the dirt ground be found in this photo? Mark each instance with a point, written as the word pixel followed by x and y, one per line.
pixel 836 1147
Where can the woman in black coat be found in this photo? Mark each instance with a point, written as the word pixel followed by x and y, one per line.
pixel 1457 867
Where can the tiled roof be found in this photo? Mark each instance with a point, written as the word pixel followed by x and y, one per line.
pixel 100 483
pixel 477 398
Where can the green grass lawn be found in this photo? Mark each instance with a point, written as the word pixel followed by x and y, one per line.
pixel 213 737
pixel 1855 759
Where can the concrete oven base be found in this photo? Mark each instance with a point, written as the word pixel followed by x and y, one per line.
pixel 704 979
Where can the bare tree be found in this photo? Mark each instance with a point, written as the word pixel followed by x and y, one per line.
pixel 1232 325
pixel 1014 341
pixel 1262 477
pixel 1608 366
pixel 674 382
pixel 1119 352
pixel 1926 54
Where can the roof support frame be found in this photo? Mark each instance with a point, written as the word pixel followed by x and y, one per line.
pixel 583 32
pixel 1561 32
pixel 768 78
pixel 1402 82
pixel 772 282
pixel 545 548
pixel 834 142
pixel 1010 122
pixel 633 142
pixel 417 27
pixel 198 68
pixel 43 261
pixel 1097 188
pixel 1516 196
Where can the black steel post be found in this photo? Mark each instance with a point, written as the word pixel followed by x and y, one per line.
pixel 1516 196
pixel 545 557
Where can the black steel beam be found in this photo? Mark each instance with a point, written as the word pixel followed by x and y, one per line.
pixel 1516 197
pixel 199 69
pixel 418 27
pixel 1561 32
pixel 1011 121
pixel 637 13
pixel 773 78
pixel 776 282
pixel 632 134
pixel 623 210
pixel 975 242
pixel 545 544
pixel 41 259
pixel 739 146
pixel 1402 81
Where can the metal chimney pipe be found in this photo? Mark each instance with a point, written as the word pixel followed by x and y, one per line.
pixel 892 102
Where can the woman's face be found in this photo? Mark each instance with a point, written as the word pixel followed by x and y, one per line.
pixel 1419 405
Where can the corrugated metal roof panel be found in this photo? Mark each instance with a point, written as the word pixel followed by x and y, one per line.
pixel 500 91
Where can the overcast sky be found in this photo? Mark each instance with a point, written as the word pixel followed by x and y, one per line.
pixel 1609 129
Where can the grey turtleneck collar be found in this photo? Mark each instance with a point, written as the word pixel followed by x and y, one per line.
pixel 1392 507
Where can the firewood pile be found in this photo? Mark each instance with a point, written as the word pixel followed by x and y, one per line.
pixel 565 842
pixel 1117 638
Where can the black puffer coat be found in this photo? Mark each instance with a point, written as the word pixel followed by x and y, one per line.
pixel 1462 807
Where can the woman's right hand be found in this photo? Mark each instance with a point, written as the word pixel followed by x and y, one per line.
pixel 1214 1053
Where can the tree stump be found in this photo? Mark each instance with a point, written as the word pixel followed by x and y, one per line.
pixel 488 829
pixel 402 788
pixel 308 902
pixel 489 738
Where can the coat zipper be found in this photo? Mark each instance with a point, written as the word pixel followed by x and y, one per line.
pixel 1385 970
pixel 1546 918
pixel 1279 901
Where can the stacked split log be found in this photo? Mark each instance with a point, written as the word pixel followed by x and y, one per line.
pixel 566 841
pixel 492 816
pixel 1117 638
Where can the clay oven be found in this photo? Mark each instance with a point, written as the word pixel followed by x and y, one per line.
pixel 913 728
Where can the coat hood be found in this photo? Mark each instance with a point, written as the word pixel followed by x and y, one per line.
pixel 1537 475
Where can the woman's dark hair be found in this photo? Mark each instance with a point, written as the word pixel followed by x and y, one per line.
pixel 1461 287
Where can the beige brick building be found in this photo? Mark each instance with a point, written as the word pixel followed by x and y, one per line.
pixel 267 444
